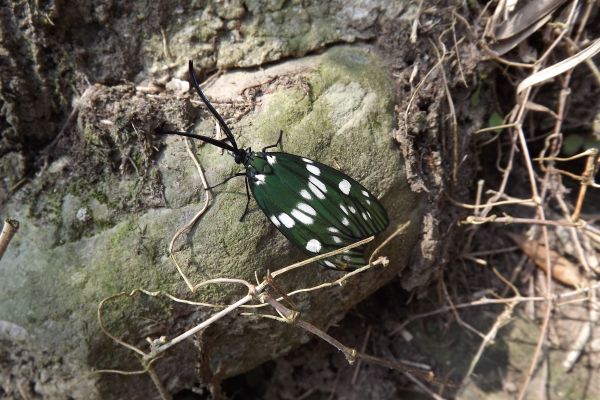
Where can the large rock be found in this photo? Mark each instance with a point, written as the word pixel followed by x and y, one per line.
pixel 51 51
pixel 98 220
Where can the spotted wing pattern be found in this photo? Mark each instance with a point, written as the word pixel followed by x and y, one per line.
pixel 316 207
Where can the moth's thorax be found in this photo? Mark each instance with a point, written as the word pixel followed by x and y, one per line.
pixel 241 156
pixel 258 163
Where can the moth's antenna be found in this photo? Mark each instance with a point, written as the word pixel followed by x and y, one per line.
pixel 210 106
pixel 214 142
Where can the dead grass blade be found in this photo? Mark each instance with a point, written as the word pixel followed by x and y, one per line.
pixel 527 16
pixel 503 46
pixel 563 270
pixel 559 68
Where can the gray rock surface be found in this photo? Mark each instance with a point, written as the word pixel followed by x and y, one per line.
pixel 52 50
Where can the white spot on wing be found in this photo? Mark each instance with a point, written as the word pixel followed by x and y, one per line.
pixel 364 216
pixel 336 239
pixel 259 179
pixel 300 216
pixel 344 209
pixel 306 208
pixel 365 193
pixel 333 230
pixel 313 246
pixel 304 193
pixel 345 221
pixel 275 221
pixel 352 209
pixel 271 160
pixel 315 181
pixel 286 220
pixel 306 160
pixel 316 191
pixel 344 186
pixel 368 201
pixel 313 169
pixel 330 264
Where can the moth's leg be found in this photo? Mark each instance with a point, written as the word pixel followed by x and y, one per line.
pixel 278 144
pixel 247 199
pixel 227 180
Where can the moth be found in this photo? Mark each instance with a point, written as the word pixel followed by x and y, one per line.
pixel 316 207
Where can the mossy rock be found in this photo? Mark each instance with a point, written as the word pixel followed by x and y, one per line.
pixel 336 108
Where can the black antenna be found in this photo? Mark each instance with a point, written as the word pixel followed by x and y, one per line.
pixel 211 108
pixel 219 143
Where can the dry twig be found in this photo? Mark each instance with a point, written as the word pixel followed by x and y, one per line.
pixel 10 228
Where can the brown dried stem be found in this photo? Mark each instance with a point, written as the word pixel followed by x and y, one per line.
pixel 351 355
pixel 9 229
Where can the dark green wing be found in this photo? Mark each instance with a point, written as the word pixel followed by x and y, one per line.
pixel 318 208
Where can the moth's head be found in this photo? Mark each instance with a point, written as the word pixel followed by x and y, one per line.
pixel 241 156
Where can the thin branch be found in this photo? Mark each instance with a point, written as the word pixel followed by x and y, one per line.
pixel 215 317
pixel 164 395
pixel 362 349
pixel 321 256
pixel 120 372
pixel 196 217
pixel 351 355
pixel 454 122
pixel 473 220
pixel 106 332
pixel 486 301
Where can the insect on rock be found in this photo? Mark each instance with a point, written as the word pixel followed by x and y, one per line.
pixel 318 208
